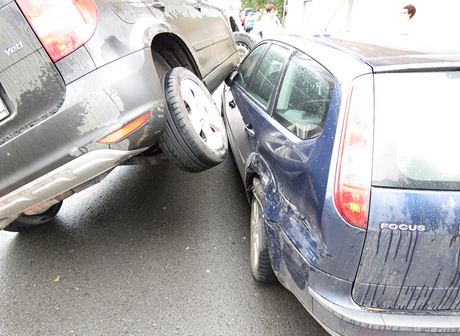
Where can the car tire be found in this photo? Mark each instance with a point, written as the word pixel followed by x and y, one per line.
pixel 244 43
pixel 29 222
pixel 259 257
pixel 195 137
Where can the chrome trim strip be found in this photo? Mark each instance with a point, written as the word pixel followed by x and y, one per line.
pixel 221 38
pixel 203 44
pixel 64 178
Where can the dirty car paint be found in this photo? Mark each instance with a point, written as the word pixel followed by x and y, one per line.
pixel 407 264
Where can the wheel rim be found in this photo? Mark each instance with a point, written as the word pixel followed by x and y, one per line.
pixel 256 233
pixel 203 114
pixel 242 49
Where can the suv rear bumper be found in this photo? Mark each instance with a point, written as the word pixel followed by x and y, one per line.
pixel 62 152
pixel 64 178
pixel 328 299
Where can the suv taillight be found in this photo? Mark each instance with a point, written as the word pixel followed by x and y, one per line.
pixel 62 26
pixel 353 179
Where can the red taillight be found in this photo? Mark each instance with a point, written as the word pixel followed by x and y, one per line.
pixel 353 179
pixel 62 26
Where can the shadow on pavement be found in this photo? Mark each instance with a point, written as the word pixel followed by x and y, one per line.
pixel 149 251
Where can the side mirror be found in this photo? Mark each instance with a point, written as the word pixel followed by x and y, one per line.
pixel 230 79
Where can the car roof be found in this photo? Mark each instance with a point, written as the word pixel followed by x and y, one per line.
pixel 343 66
pixel 385 58
pixel 380 57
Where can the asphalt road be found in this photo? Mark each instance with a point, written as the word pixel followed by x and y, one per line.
pixel 149 251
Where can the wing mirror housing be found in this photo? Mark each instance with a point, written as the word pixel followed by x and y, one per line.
pixel 230 79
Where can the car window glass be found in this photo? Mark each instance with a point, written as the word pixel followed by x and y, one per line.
pixel 416 130
pixel 246 68
pixel 268 74
pixel 304 97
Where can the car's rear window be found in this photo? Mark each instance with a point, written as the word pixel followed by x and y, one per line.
pixel 417 130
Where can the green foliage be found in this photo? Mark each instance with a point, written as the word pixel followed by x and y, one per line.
pixel 279 4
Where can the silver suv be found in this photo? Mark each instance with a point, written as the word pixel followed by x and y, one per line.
pixel 88 84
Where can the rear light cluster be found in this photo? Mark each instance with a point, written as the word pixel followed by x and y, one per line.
pixel 126 130
pixel 62 26
pixel 353 179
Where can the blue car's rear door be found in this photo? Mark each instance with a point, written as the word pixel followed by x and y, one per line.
pixel 294 143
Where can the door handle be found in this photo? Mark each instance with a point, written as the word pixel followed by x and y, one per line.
pixel 232 104
pixel 249 130
pixel 197 6
pixel 158 4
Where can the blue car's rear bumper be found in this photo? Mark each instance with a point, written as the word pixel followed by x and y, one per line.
pixel 328 299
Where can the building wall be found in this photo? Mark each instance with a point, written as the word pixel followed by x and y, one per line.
pixel 435 25
pixel 317 16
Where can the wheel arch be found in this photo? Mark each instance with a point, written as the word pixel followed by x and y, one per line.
pixel 175 52
pixel 258 167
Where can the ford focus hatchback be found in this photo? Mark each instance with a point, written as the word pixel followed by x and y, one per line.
pixel 349 156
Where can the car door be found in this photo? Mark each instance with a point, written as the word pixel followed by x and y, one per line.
pixel 236 125
pixel 218 32
pixel 186 20
pixel 293 142
pixel 250 96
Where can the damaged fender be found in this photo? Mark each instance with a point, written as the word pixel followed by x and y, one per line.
pixel 282 217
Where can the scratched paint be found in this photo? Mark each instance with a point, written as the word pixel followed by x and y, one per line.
pixel 406 268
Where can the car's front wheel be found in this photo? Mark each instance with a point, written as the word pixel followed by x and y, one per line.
pixel 260 258
pixel 194 137
pixel 28 222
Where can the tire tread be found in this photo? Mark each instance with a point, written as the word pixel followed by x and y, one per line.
pixel 264 272
pixel 178 139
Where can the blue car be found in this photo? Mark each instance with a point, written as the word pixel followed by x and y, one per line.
pixel 349 153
